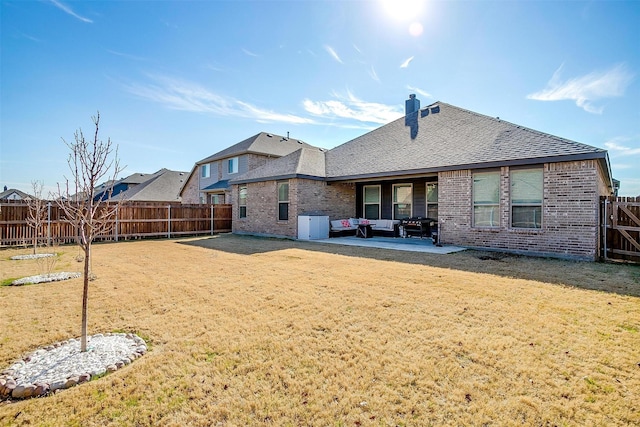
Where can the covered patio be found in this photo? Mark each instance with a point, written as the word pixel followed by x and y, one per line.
pixel 410 244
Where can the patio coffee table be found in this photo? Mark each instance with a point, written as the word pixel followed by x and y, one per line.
pixel 364 231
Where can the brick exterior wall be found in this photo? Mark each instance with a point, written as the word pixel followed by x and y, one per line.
pixel 190 192
pixel 570 223
pixel 306 197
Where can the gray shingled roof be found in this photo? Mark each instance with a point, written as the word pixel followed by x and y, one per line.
pixel 306 162
pixel 163 186
pixel 10 191
pixel 262 143
pixel 442 137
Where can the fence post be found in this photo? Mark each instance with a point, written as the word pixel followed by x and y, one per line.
pixel 606 224
pixel 117 214
pixel 48 223
pixel 169 221
pixel 212 221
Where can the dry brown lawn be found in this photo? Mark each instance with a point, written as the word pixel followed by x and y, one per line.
pixel 253 331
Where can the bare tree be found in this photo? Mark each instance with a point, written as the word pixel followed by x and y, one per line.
pixel 37 212
pixel 90 161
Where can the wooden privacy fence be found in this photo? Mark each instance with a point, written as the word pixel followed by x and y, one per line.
pixel 620 235
pixel 133 220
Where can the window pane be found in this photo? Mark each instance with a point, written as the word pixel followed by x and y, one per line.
pixel 283 192
pixel 486 188
pixel 243 196
pixel 401 210
pixel 526 186
pixel 205 170
pixel 243 211
pixel 526 217
pixel 372 211
pixel 432 211
pixel 432 193
pixel 486 216
pixel 283 211
pixel 372 194
pixel 402 194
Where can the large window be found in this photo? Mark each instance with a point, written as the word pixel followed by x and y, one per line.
pixel 432 200
pixel 486 199
pixel 371 197
pixel 242 202
pixel 205 170
pixel 233 165
pixel 526 198
pixel 402 199
pixel 283 201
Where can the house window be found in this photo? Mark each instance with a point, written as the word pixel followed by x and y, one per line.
pixel 217 199
pixel 432 200
pixel 242 202
pixel 402 199
pixel 371 197
pixel 233 165
pixel 526 198
pixel 486 199
pixel 283 201
pixel 205 170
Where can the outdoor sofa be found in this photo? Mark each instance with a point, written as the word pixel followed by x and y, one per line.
pixel 380 227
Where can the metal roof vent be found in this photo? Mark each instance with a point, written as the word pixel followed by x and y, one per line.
pixel 435 110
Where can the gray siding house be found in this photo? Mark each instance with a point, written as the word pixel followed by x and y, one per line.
pixel 209 179
pixel 488 183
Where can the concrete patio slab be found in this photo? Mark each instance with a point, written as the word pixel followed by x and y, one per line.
pixel 410 244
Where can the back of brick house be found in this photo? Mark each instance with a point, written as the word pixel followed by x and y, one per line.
pixel 489 183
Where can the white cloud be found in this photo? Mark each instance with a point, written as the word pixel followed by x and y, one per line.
pixel 406 63
pixel 248 52
pixel 419 91
pixel 616 148
pixel 351 108
pixel 126 55
pixel 181 95
pixel 357 49
pixel 374 75
pixel 333 53
pixel 70 11
pixel 584 90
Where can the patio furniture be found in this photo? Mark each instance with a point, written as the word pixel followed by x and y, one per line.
pixel 364 231
pixel 418 226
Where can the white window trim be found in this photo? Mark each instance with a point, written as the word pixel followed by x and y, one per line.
pixel 426 197
pixel 235 161
pixel 364 203
pixel 288 201
pixel 393 202
pixel 511 204
pixel 473 202
pixel 205 170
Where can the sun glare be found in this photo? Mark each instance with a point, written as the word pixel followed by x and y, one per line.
pixel 402 10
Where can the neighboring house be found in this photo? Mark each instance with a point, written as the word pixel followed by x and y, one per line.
pixel 489 183
pixel 208 181
pixel 13 194
pixel 161 186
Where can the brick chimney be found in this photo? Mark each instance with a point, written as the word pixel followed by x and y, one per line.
pixel 412 104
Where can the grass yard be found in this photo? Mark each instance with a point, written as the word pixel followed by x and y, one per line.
pixel 252 331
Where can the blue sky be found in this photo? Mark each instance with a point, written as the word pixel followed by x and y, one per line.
pixel 176 81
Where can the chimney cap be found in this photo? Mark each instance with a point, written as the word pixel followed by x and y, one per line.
pixel 412 95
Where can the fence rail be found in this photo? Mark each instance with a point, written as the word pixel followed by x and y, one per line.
pixel 133 220
pixel 620 235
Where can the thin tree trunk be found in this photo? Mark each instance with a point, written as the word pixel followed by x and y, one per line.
pixel 85 298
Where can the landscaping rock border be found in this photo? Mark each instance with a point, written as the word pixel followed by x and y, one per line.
pixel 62 365
pixel 31 256
pixel 43 278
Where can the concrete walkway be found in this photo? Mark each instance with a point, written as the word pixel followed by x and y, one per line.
pixel 411 244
